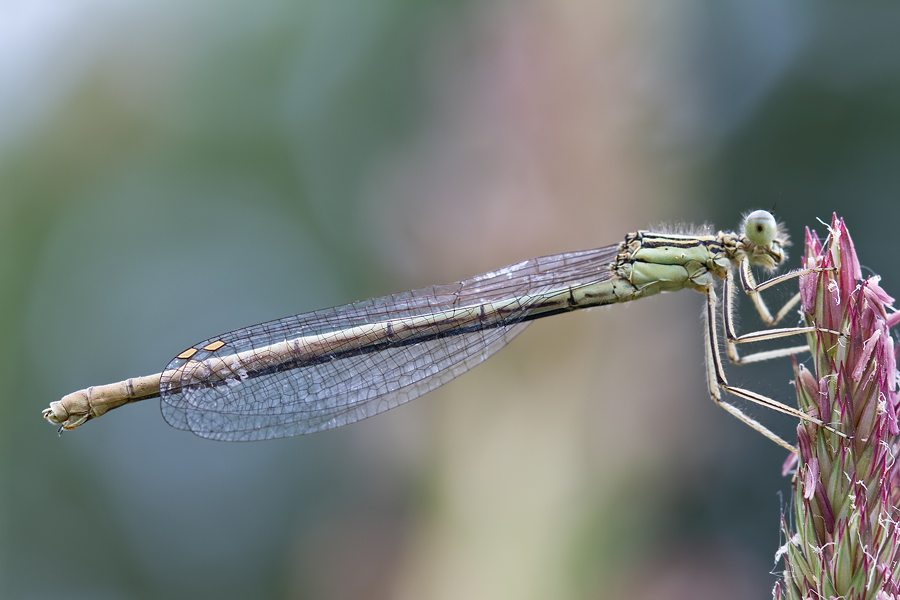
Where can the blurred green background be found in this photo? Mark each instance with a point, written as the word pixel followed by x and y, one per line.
pixel 172 170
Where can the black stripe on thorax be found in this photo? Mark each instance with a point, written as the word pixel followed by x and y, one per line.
pixel 658 240
pixel 654 240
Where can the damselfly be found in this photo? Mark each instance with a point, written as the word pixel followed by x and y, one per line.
pixel 323 369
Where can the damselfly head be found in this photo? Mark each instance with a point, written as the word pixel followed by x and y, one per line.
pixel 765 239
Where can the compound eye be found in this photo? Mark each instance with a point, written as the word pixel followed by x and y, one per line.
pixel 760 227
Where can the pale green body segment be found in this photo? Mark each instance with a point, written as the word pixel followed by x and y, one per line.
pixel 669 263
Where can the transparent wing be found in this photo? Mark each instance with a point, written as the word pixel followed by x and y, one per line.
pixel 335 390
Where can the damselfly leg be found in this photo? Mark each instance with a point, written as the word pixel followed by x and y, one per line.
pixel 715 371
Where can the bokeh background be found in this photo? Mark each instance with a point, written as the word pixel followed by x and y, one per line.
pixel 171 170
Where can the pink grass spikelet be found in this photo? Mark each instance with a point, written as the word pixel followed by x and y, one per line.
pixel 844 541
